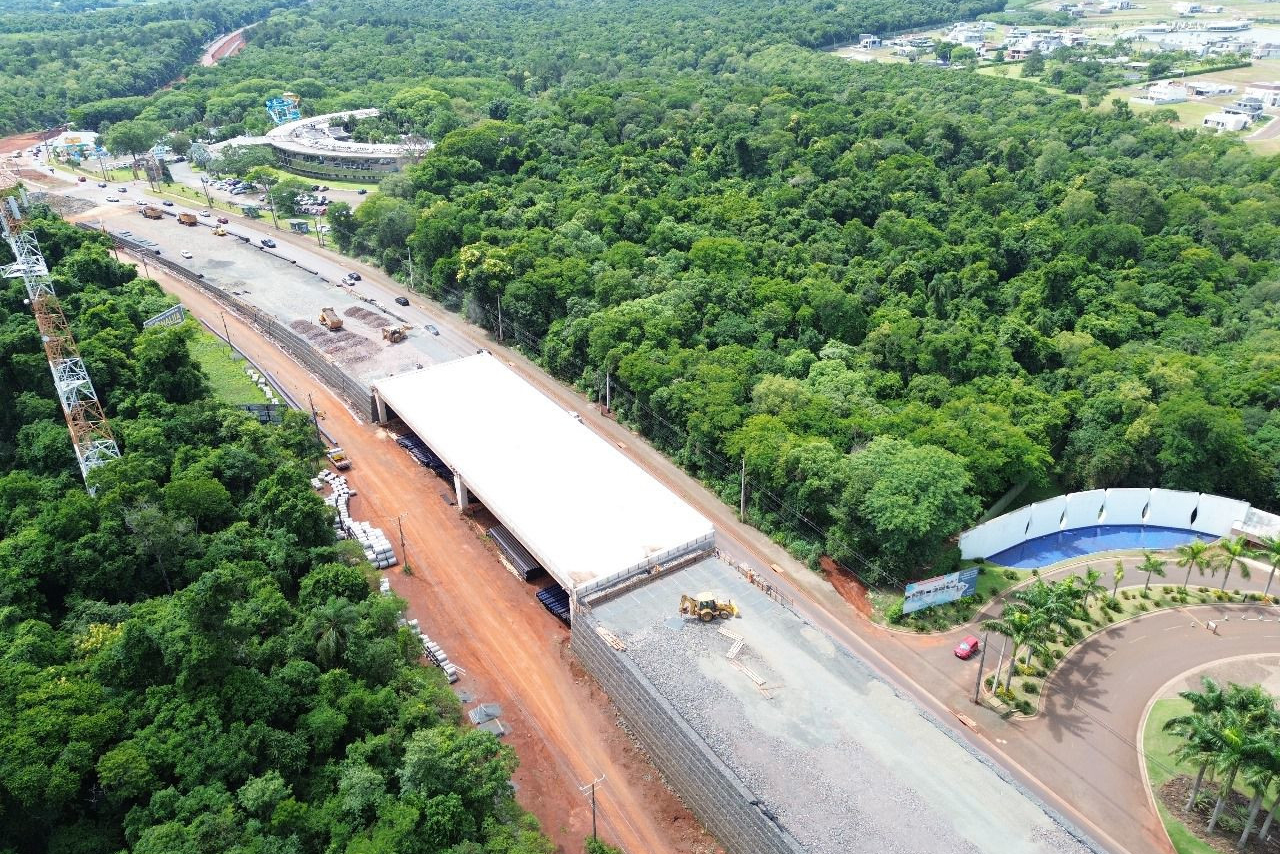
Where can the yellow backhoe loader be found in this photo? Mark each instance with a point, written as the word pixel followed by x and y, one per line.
pixel 706 607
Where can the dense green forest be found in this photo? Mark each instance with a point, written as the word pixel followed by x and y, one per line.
pixel 896 291
pixel 189 663
pixel 52 61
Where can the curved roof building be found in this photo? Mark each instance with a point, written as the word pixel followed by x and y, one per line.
pixel 318 147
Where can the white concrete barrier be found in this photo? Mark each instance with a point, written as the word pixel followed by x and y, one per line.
pixel 1215 515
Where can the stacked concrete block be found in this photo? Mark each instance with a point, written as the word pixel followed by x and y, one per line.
pixel 377 548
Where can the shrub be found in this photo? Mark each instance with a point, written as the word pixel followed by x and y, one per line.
pixel 1041 672
pixel 1011 574
pixel 1128 594
pixel 1143 606
pixel 1030 688
pixel 894 613
pixel 1056 655
pixel 1203 589
pixel 1025 707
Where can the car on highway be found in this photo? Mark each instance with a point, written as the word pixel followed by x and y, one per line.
pixel 432 329
pixel 204 213
pixel 355 277
pixel 112 199
pixel 167 203
pixel 122 189
pixel 102 184
pixel 401 301
pixel 362 191
pixel 222 220
pixel 185 254
pixel 967 648
pixel 140 202
pixel 268 242
pixel 82 179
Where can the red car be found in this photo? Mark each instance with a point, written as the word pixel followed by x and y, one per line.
pixel 222 220
pixel 967 648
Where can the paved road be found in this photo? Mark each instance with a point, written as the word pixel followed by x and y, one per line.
pixel 1085 744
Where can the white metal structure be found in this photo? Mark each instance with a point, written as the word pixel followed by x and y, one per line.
pixel 90 434
pixel 589 515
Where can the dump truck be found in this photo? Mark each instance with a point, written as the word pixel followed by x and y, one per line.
pixel 187 218
pixel 395 334
pixel 152 212
pixel 339 458
pixel 706 607
pixel 329 319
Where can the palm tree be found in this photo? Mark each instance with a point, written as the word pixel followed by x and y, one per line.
pixel 335 622
pixel 1151 565
pixel 1091 586
pixel 1119 576
pixel 1234 748
pixel 1234 552
pixel 1271 551
pixel 1197 727
pixel 1193 555
pixel 1259 773
pixel 1021 626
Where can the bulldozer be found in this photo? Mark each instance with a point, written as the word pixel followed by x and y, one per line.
pixel 706 607
pixel 395 334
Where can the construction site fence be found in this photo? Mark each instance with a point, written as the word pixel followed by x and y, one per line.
pixel 702 543
pixel 355 393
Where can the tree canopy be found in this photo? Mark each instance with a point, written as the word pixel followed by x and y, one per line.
pixel 189 662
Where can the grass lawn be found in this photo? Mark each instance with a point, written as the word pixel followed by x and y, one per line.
pixel 227 377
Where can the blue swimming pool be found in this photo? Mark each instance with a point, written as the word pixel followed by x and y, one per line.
pixel 1051 548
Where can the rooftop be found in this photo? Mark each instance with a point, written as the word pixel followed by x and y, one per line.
pixel 843 761
pixel 311 136
pixel 586 512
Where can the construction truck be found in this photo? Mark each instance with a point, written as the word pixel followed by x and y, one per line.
pixel 394 334
pixel 187 219
pixel 329 319
pixel 339 458
pixel 152 212
pixel 706 607
pixel 219 231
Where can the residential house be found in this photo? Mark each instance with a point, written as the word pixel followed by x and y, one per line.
pixel 1208 88
pixel 1245 106
pixel 1162 93
pixel 1225 121
pixel 1267 93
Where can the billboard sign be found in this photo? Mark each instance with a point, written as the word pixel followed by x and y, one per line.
pixel 940 590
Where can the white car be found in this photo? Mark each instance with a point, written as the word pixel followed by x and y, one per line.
pixel 185 254
pixel 204 213
pixel 112 199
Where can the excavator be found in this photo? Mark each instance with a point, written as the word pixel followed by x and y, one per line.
pixel 706 607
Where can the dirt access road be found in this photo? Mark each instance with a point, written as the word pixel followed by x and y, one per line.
pixel 223 47
pixel 513 652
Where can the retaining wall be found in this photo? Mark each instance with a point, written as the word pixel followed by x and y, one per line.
pixel 717 797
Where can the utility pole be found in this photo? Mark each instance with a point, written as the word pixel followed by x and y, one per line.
pixel 501 337
pixel 404 555
pixel 231 350
pixel 409 249
pixel 607 404
pixel 742 492
pixel 592 787
pixel 977 689
pixel 315 418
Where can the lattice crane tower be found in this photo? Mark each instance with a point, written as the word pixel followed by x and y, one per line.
pixel 90 433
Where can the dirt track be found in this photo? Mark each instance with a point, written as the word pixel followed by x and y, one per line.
pixel 514 652
pixel 228 45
